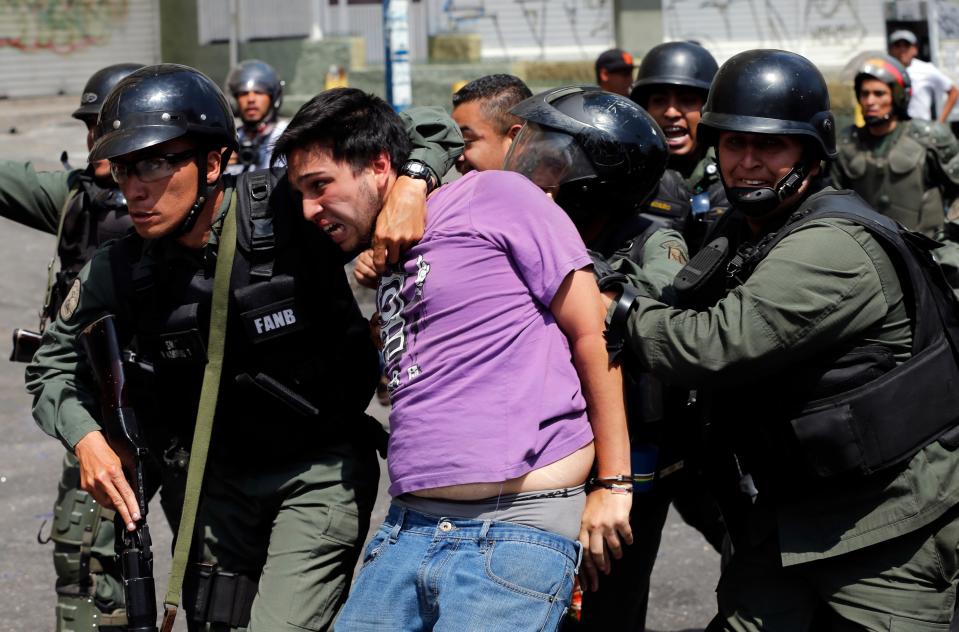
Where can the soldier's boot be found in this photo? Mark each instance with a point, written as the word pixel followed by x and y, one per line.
pixel 89 588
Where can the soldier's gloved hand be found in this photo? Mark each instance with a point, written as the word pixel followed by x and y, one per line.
pixel 101 474
pixel 378 434
pixel 401 223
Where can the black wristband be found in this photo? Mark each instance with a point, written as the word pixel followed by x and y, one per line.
pixel 616 329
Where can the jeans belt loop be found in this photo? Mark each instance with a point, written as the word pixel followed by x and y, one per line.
pixel 395 532
pixel 485 529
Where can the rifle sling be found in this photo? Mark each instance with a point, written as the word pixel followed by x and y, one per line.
pixel 48 294
pixel 205 411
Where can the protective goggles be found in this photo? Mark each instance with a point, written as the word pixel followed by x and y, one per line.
pixel 150 169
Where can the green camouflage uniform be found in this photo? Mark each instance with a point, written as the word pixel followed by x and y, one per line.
pixel 910 174
pixel 875 553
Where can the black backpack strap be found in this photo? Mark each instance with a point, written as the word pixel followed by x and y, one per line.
pixel 255 228
pixel 921 277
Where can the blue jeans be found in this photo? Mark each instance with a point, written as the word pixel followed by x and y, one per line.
pixel 423 572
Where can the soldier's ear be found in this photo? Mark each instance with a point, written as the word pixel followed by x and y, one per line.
pixel 513 131
pixel 214 165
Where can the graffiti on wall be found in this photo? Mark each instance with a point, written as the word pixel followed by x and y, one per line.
pixel 59 26
pixel 787 25
pixel 584 21
pixel 948 15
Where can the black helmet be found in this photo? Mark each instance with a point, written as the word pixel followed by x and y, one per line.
pixel 673 64
pixel 256 76
pixel 770 92
pixel 892 73
pixel 592 149
pixel 98 87
pixel 160 103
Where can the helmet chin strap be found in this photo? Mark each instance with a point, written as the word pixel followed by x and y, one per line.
pixel 203 191
pixel 756 202
pixel 872 121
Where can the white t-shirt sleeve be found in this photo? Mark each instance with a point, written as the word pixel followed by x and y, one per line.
pixel 939 80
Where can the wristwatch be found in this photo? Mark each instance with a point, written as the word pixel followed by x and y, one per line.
pixel 419 170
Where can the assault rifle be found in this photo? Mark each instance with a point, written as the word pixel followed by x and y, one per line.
pixel 99 340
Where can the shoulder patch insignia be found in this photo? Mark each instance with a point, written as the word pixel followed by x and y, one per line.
pixel 676 252
pixel 71 302
pixel 663 206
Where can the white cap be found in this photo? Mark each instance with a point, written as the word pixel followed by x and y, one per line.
pixel 902 35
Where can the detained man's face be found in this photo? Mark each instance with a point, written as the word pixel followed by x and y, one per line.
pixel 341 200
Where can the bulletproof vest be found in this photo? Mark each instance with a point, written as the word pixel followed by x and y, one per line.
pixel 299 365
pixel 627 238
pixel 92 216
pixel 895 184
pixel 850 411
pixel 669 202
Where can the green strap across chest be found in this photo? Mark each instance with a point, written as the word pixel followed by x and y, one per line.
pixel 205 412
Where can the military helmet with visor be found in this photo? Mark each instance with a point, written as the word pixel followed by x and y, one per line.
pixel 591 149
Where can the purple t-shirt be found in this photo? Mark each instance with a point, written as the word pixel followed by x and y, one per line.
pixel 481 377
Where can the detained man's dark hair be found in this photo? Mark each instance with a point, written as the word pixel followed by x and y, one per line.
pixel 355 126
pixel 499 93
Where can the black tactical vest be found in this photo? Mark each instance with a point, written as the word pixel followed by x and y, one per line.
pixel 644 394
pixel 685 207
pixel 851 411
pixel 669 203
pixel 299 366
pixel 92 216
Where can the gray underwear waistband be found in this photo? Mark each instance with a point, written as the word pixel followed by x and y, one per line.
pixel 556 510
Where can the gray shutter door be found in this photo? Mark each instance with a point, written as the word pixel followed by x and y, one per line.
pixel 49 48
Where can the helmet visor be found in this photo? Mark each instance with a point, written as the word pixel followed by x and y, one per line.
pixel 547 157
